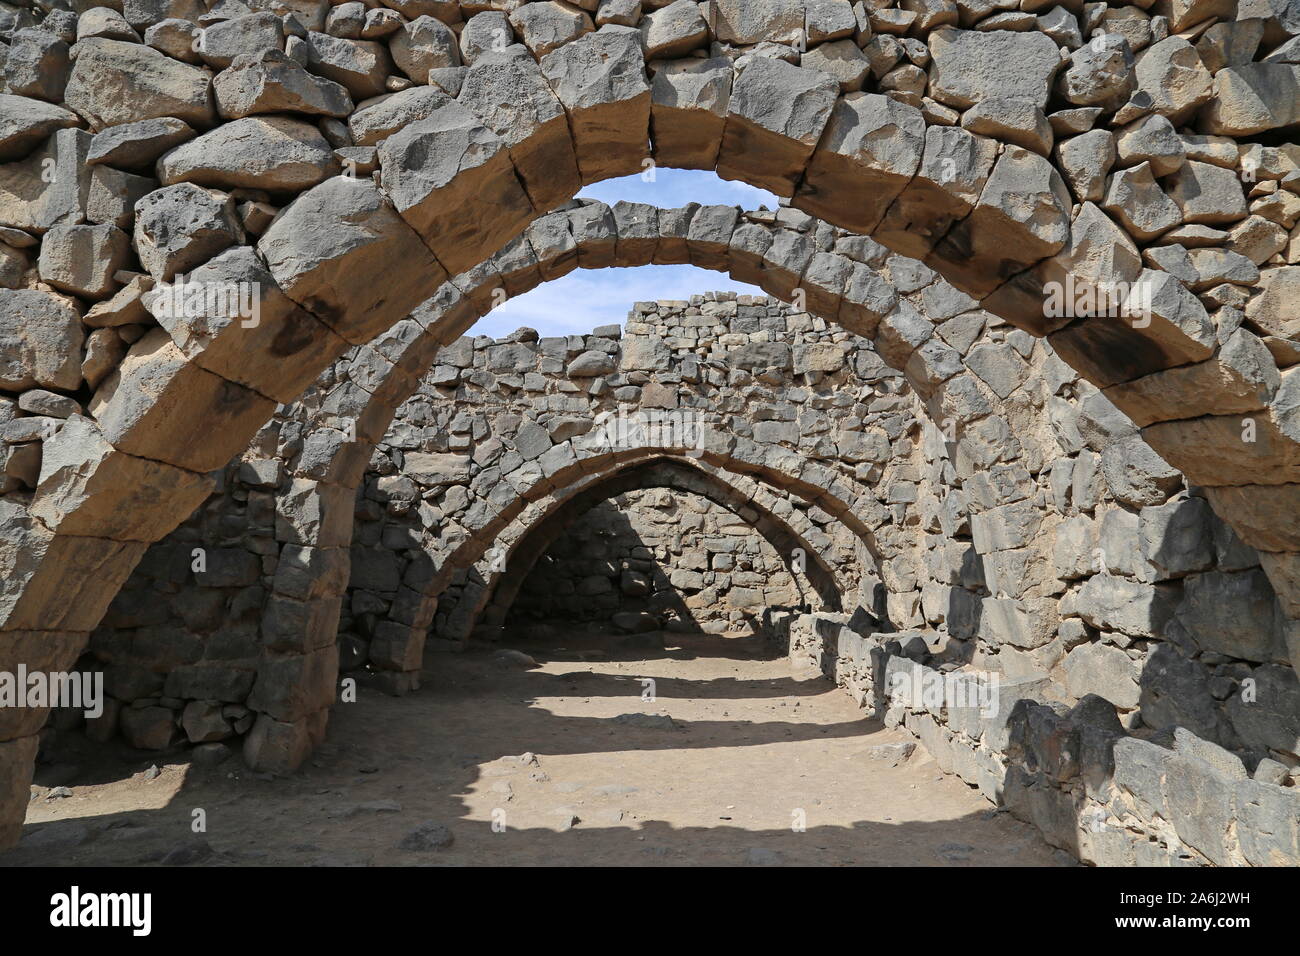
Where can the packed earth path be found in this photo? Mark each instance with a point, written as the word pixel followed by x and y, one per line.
pixel 552 754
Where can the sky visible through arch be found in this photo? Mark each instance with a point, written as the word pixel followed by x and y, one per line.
pixel 586 298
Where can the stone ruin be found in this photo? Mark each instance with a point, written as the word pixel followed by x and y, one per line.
pixel 1032 410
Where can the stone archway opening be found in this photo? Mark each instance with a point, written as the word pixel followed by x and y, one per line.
pixel 660 547
pixel 1003 222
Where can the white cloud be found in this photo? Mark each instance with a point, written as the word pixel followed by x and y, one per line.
pixel 577 303
pixel 582 300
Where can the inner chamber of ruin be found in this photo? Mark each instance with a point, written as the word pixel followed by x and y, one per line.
pixel 901 467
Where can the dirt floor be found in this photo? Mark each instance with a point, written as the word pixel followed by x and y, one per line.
pixel 733 762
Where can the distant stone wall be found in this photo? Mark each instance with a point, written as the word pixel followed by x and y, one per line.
pixel 657 559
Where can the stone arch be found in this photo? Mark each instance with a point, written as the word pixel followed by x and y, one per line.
pixel 473 170
pixel 593 465
pixel 715 484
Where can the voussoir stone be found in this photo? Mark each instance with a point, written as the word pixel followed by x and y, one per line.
pixel 776 116
pixel 871 148
pixel 274 153
pixel 955 167
pixel 262 339
pixel 87 487
pixel 114 82
pixel 451 178
pixel 600 78
pixel 1022 216
pixel 506 90
pixel 330 246
pixel 160 406
pixel 689 111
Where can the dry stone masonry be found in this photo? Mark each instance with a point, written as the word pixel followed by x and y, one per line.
pixel 999 565
pixel 203 210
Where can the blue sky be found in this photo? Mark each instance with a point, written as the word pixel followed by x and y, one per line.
pixel 586 298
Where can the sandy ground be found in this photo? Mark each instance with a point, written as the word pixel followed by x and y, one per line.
pixel 734 762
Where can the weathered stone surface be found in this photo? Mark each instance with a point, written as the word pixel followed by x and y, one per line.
pixel 505 89
pixel 1253 98
pixel 37 64
pixel 842 59
pixel 261 339
pixel 743 22
pixel 137 145
pixel 1099 73
pixel 114 82
pixel 1172 75
pixel 40 341
pixel 82 260
pixel 220 43
pixel 954 169
pixel 377 119
pixel 968 66
pixel 600 79
pixel 334 233
pixel 274 82
pixel 113 195
pixel 549 25
pixel 871 148
pixel 1209 194
pixel 26 122
pixel 775 118
pixel 1022 216
pixel 451 178
pixel 49 186
pixel 422 45
pixel 273 153
pixel 88 488
pixel 1136 199
pixel 689 101
pixel 1011 120
pixel 360 65
pixel 178 227
pixel 159 406
pixel 1104 670
pixel 1153 140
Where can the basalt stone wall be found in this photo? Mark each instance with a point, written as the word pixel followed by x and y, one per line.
pixel 1110 792
pixel 657 559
